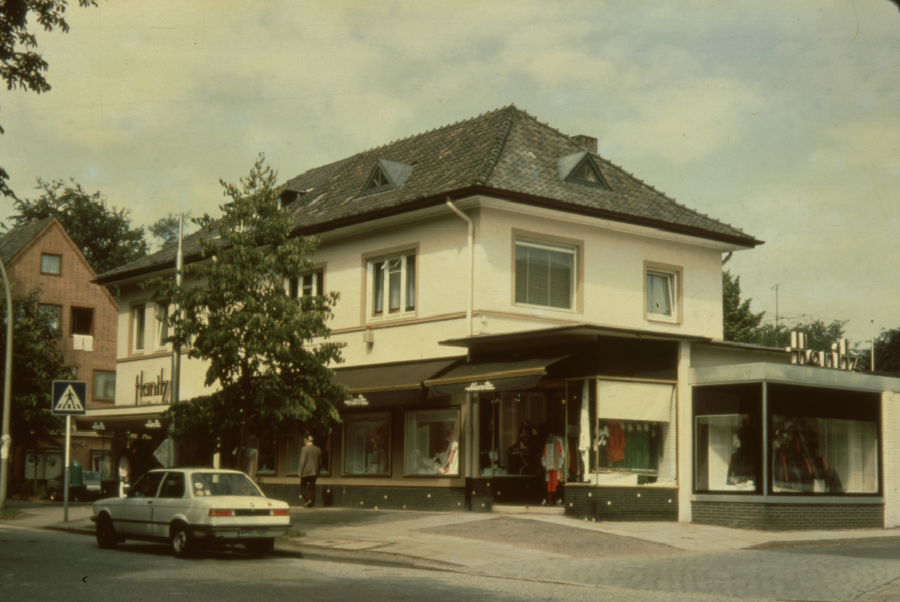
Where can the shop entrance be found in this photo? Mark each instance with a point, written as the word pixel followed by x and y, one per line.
pixel 515 428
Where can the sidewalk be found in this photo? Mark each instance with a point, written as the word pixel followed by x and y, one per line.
pixel 413 538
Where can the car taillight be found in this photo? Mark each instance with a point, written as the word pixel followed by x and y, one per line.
pixel 281 512
pixel 219 512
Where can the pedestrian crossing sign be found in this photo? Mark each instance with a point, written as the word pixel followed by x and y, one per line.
pixel 69 398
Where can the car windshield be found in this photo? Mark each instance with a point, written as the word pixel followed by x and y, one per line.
pixel 217 483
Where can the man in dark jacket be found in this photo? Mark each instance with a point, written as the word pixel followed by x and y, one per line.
pixel 310 462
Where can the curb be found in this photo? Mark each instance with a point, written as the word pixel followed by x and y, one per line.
pixel 824 542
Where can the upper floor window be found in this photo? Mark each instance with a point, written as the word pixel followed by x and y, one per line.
pixel 104 385
pixel 662 292
pixel 393 285
pixel 51 264
pixel 162 323
pixel 139 323
pixel 306 285
pixel 82 321
pixel 545 274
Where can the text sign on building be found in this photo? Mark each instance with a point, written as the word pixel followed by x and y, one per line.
pixel 151 391
pixel 839 358
pixel 69 398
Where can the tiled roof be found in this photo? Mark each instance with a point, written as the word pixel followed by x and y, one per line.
pixel 504 153
pixel 12 243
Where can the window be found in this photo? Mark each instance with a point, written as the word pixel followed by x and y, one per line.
pixel 104 385
pixel 162 323
pixel 50 313
pixel 101 461
pixel 727 453
pixel 432 443
pixel 393 285
pixel 662 292
pixel 386 175
pixel 173 486
pixel 51 264
pixel 306 285
pixel 82 321
pixel 139 323
pixel 367 444
pixel 265 457
pixel 147 485
pixel 545 275
pixel 295 446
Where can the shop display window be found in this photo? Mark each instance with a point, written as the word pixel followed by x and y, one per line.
pixel 367 444
pixel 295 446
pixel 820 455
pixel 265 457
pixel 101 461
pixel 581 418
pixel 432 443
pixel 727 453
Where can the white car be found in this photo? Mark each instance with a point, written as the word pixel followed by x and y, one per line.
pixel 192 508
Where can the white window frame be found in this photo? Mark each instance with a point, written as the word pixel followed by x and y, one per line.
pixel 139 334
pixel 404 310
pixel 317 278
pixel 672 278
pixel 548 246
pixel 162 308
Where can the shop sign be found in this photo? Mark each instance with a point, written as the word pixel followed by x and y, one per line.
pixel 359 400
pixel 149 391
pixel 838 358
pixel 485 386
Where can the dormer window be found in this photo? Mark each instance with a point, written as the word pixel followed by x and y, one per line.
pixel 581 168
pixel 386 175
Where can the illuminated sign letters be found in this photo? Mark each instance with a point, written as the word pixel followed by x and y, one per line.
pixel 839 357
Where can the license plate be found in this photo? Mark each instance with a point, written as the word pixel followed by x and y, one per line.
pixel 251 532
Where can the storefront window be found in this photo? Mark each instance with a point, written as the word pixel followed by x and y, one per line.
pixel 727 453
pixel 265 458
pixel 635 440
pixel 432 443
pixel 581 417
pixel 367 444
pixel 819 455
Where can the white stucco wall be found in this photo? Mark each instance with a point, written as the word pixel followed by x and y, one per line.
pixel 890 429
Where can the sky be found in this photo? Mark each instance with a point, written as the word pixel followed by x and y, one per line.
pixel 780 118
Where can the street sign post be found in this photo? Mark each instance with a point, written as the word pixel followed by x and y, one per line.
pixel 68 398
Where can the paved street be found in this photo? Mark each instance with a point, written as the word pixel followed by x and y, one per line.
pixel 416 555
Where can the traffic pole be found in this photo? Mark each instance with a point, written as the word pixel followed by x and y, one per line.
pixel 66 480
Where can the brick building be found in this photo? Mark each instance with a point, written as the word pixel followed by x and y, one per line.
pixel 41 254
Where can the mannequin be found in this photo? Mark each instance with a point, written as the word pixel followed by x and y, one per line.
pixel 447 461
pixel 554 461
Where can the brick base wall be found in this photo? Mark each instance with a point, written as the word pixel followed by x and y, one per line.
pixel 622 503
pixel 788 517
pixel 481 495
pixel 436 499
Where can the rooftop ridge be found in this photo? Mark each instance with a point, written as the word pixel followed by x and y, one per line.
pixel 494 155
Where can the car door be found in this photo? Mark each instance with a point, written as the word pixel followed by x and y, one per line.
pixel 169 503
pixel 136 511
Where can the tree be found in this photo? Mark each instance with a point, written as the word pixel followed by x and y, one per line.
pixel 165 230
pixel 20 65
pixel 267 353
pixel 887 353
pixel 740 324
pixel 103 234
pixel 37 361
pixel 819 335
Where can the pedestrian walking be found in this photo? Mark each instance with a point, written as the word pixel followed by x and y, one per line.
pixel 310 462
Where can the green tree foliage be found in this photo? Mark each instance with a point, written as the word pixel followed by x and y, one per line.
pixel 268 353
pixel 819 335
pixel 37 362
pixel 740 324
pixel 20 65
pixel 103 234
pixel 887 353
pixel 165 230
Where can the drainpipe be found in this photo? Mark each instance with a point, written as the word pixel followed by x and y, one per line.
pixel 468 428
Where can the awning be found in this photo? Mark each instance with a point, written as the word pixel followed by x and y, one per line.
pixel 386 385
pixel 123 418
pixel 490 377
pixel 635 401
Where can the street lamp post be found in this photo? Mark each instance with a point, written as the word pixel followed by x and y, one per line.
pixel 5 439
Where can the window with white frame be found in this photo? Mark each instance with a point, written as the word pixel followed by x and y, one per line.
pixel 392 285
pixel 661 297
pixel 162 323
pixel 545 274
pixel 367 444
pixel 432 443
pixel 310 284
pixel 104 385
pixel 139 322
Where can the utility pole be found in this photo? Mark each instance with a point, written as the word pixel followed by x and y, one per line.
pixel 873 346
pixel 775 288
pixel 5 439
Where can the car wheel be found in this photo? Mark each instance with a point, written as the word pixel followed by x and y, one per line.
pixel 182 541
pixel 258 549
pixel 106 533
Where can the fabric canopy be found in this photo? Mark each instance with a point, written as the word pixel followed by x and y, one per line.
pixel 489 377
pixel 634 401
pixel 387 384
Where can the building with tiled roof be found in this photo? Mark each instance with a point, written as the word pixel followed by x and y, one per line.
pixel 524 321
pixel 41 255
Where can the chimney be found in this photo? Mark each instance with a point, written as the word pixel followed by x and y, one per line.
pixel 588 143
